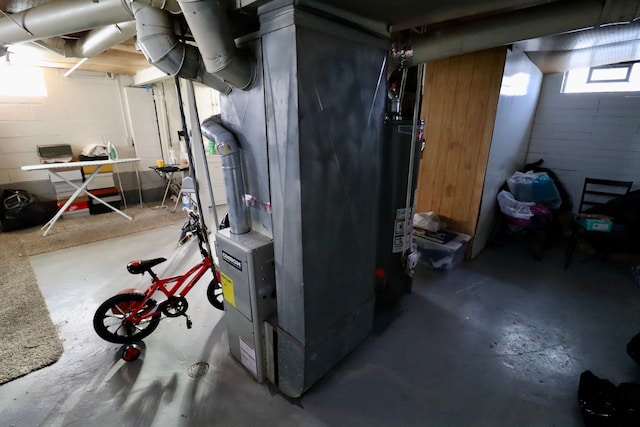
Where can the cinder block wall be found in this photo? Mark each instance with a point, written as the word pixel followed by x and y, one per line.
pixel 594 135
pixel 82 109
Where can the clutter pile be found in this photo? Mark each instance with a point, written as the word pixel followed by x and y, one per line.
pixel 603 404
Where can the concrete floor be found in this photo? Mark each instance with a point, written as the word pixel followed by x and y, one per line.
pixel 500 341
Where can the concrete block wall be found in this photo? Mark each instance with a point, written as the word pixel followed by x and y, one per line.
pixel 595 135
pixel 82 109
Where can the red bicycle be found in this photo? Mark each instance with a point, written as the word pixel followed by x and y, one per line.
pixel 133 315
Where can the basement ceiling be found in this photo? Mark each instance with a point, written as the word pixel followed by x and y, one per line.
pixel 554 53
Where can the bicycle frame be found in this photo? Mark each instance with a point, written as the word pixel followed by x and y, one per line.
pixel 159 284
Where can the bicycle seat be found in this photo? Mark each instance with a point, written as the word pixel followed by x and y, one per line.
pixel 140 266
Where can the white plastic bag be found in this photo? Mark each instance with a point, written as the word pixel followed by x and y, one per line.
pixel 510 206
pixel 534 187
pixel 427 221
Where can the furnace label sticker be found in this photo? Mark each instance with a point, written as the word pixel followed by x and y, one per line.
pixel 248 356
pixel 227 289
pixel 235 262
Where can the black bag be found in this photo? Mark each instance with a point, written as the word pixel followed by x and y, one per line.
pixel 633 348
pixel 604 405
pixel 20 209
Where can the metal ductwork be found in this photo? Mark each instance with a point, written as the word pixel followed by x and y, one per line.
pixel 500 30
pixel 229 149
pixel 100 39
pixel 209 25
pixel 153 25
pixel 68 16
pixel 163 49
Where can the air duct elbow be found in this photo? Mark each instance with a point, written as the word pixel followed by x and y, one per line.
pixel 229 150
pixel 162 48
pixel 210 28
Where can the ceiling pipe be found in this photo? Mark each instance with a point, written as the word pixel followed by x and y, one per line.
pixel 75 67
pixel 99 39
pixel 162 48
pixel 61 17
pixel 504 29
pixel 209 25
pixel 69 16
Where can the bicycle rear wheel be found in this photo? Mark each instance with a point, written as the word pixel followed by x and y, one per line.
pixel 110 321
pixel 214 294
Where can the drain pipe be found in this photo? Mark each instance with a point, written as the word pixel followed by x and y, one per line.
pixel 229 149
pixel 99 39
pixel 209 25
pixel 160 45
pixel 555 18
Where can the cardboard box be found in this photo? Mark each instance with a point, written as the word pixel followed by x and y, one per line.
pixel 592 222
pixel 63 199
pixel 101 181
pixel 55 153
pixel 97 208
pixel 441 256
pixel 75 206
pixel 72 174
pixel 88 170
pixel 109 195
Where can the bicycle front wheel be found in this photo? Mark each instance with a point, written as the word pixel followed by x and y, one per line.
pixel 111 324
pixel 214 294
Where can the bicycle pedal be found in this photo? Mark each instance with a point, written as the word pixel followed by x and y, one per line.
pixel 189 322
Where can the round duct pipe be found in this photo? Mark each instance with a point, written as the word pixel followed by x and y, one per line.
pixel 229 149
pixel 100 39
pixel 61 17
pixel 162 48
pixel 507 28
pixel 209 25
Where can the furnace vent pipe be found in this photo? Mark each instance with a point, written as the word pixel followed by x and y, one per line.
pixel 100 39
pixel 555 18
pixel 209 25
pixel 161 47
pixel 228 148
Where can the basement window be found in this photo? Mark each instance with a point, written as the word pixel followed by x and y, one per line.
pixel 623 77
pixel 21 82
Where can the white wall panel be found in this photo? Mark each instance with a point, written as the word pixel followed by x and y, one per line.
pixel 511 133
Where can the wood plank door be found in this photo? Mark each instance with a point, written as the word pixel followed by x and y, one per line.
pixel 459 109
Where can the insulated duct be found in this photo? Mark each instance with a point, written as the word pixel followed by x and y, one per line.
pixel 209 25
pixel 229 149
pixel 69 16
pixel 100 39
pixel 500 30
pixel 161 47
pixel 153 25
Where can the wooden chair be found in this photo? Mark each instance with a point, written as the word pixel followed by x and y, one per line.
pixel 596 193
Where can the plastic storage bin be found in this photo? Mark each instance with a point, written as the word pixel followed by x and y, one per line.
pixel 441 256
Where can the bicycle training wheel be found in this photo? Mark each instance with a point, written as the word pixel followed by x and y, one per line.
pixel 214 294
pixel 109 320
